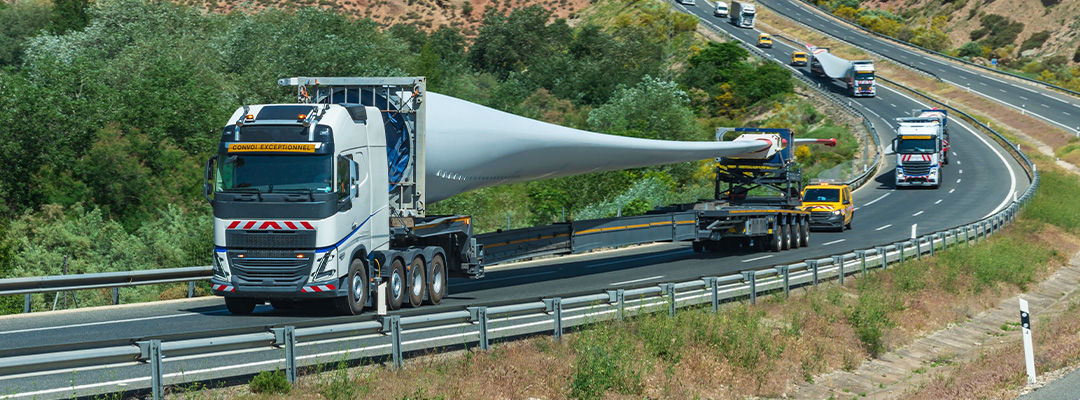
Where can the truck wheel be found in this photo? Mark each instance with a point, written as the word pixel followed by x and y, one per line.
pixel 796 234
pixel 776 241
pixel 787 236
pixel 240 306
pixel 698 246
pixel 804 226
pixel 848 226
pixel 395 286
pixel 417 283
pixel 353 303
pixel 437 283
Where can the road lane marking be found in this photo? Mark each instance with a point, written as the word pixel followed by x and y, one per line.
pixel 958 181
pixel 876 200
pixel 952 190
pixel 884 227
pixel 756 258
pixel 983 83
pixel 1022 97
pixel 1044 105
pixel 46 328
pixel 961 171
pixel 1066 113
pixel 516 276
pixel 893 105
pixel 1002 90
pixel 651 278
pixel 938 202
pixel 957 161
pixel 919 213
pixel 833 242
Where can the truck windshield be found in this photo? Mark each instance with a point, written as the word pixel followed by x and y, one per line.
pixel 269 173
pixel 864 76
pixel 908 146
pixel 822 195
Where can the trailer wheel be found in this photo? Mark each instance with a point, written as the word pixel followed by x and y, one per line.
pixel 240 306
pixel 417 281
pixel 786 238
pixel 698 246
pixel 796 233
pixel 776 240
pixel 395 287
pixel 804 226
pixel 353 303
pixel 437 283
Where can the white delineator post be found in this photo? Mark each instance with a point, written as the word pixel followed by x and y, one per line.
pixel 913 226
pixel 1029 353
pixel 381 299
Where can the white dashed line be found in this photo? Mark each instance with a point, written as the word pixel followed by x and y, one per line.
pixel 1002 90
pixel 952 190
pixel 756 258
pixel 1044 105
pixel 984 84
pixel 958 181
pixel 833 242
pixel 893 105
pixel 1022 97
pixel 961 171
pixel 957 161
pixel 938 202
pixel 954 153
pixel 1066 113
pixel 651 278
pixel 917 214
pixel 884 227
pixel 876 200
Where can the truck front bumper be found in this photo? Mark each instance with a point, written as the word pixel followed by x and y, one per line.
pixel 323 290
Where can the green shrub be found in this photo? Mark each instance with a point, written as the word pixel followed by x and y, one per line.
pixel 1053 203
pixel 1035 41
pixel 605 361
pixel 270 382
pixel 970 49
pixel 870 316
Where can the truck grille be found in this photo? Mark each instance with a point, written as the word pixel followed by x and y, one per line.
pixel 270 239
pixel 916 168
pixel 270 268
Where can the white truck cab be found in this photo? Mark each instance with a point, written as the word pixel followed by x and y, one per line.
pixel 721 10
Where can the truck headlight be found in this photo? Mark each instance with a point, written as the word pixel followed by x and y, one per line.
pixel 325 270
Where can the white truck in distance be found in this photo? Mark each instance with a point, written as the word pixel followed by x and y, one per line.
pixel 742 14
pixel 921 146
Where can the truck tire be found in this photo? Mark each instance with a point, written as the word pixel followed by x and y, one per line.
pixel 396 285
pixel 698 246
pixel 796 233
pixel 240 306
pixel 417 281
pixel 437 281
pixel 804 226
pixel 848 226
pixel 776 240
pixel 353 303
pixel 787 236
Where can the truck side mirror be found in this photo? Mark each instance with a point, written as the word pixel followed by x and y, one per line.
pixel 207 176
pixel 891 149
pixel 354 172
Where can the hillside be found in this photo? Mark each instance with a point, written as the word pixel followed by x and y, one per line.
pixel 466 15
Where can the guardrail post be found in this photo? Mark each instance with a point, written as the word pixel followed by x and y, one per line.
pixel 861 255
pixel 668 289
pixel 554 306
pixel 710 284
pixel 620 297
pixel 900 247
pixel 784 272
pixel 286 337
pixel 967 235
pixel 26 303
pixel 839 262
pixel 932 243
pixel 116 295
pixel 191 289
pixel 150 352
pixel 479 314
pixel 749 276
pixel 884 253
pixel 392 324
pixel 813 266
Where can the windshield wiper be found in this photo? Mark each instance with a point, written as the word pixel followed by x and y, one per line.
pixel 258 193
pixel 310 192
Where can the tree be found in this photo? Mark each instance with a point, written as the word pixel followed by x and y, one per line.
pixel 511 43
pixel 69 15
pixel 19 21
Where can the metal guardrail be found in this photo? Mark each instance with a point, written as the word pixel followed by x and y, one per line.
pixel 934 52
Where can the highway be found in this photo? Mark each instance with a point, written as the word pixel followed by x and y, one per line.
pixel 980 180
pixel 1058 108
